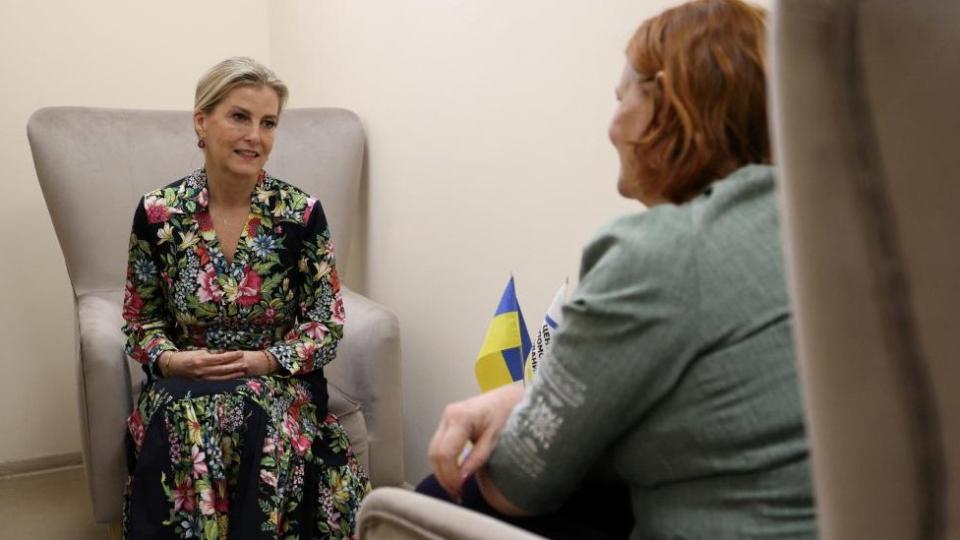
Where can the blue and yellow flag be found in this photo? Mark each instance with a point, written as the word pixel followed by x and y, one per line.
pixel 506 346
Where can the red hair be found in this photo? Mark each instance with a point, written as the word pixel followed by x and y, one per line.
pixel 710 110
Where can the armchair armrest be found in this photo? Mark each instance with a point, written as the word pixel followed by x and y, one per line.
pixel 367 370
pixel 105 400
pixel 398 514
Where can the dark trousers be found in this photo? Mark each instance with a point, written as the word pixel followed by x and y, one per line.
pixel 593 512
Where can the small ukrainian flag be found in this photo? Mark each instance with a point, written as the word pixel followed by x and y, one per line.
pixel 506 346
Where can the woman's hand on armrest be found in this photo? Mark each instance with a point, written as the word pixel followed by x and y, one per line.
pixel 478 420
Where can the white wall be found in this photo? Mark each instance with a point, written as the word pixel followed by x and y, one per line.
pixel 112 53
pixel 488 155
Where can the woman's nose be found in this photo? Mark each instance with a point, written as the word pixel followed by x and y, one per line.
pixel 253 133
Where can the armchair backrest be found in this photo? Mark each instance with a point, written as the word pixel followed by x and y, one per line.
pixel 105 159
pixel 866 136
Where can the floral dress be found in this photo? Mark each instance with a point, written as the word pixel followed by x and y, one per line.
pixel 257 457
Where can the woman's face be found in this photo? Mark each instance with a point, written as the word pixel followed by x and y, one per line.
pixel 239 131
pixel 630 121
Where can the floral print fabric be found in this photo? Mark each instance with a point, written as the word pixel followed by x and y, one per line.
pixel 250 458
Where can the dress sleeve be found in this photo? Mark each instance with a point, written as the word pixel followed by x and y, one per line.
pixel 147 319
pixel 617 352
pixel 313 340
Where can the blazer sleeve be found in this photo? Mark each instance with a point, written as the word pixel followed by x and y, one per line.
pixel 618 349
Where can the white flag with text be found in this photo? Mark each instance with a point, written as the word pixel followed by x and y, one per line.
pixel 548 328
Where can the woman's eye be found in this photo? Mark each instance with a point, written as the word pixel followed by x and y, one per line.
pixel 239 117
pixel 270 124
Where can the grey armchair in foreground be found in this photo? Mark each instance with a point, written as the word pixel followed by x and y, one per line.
pixel 94 164
pixel 397 514
pixel 866 135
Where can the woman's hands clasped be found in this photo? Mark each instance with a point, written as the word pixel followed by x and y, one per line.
pixel 216 366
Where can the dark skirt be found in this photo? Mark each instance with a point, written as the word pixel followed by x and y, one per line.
pixel 250 458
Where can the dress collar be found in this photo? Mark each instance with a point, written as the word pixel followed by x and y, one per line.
pixel 198 191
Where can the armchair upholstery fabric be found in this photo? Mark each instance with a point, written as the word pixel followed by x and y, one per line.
pixel 397 514
pixel 866 132
pixel 105 159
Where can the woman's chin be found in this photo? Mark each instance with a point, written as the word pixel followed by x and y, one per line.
pixel 244 168
pixel 628 188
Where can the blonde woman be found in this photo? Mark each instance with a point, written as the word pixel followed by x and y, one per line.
pixel 233 307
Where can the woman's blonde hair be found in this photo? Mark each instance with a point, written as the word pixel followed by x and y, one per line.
pixel 232 73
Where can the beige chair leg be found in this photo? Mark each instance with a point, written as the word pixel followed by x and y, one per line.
pixel 114 531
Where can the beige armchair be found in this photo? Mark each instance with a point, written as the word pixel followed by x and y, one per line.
pixel 397 514
pixel 93 165
pixel 866 134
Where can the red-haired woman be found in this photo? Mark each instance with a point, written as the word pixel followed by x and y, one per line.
pixel 672 374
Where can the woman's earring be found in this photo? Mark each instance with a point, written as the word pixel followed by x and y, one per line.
pixel 202 143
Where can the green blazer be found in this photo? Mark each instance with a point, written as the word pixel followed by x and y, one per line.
pixel 674 366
